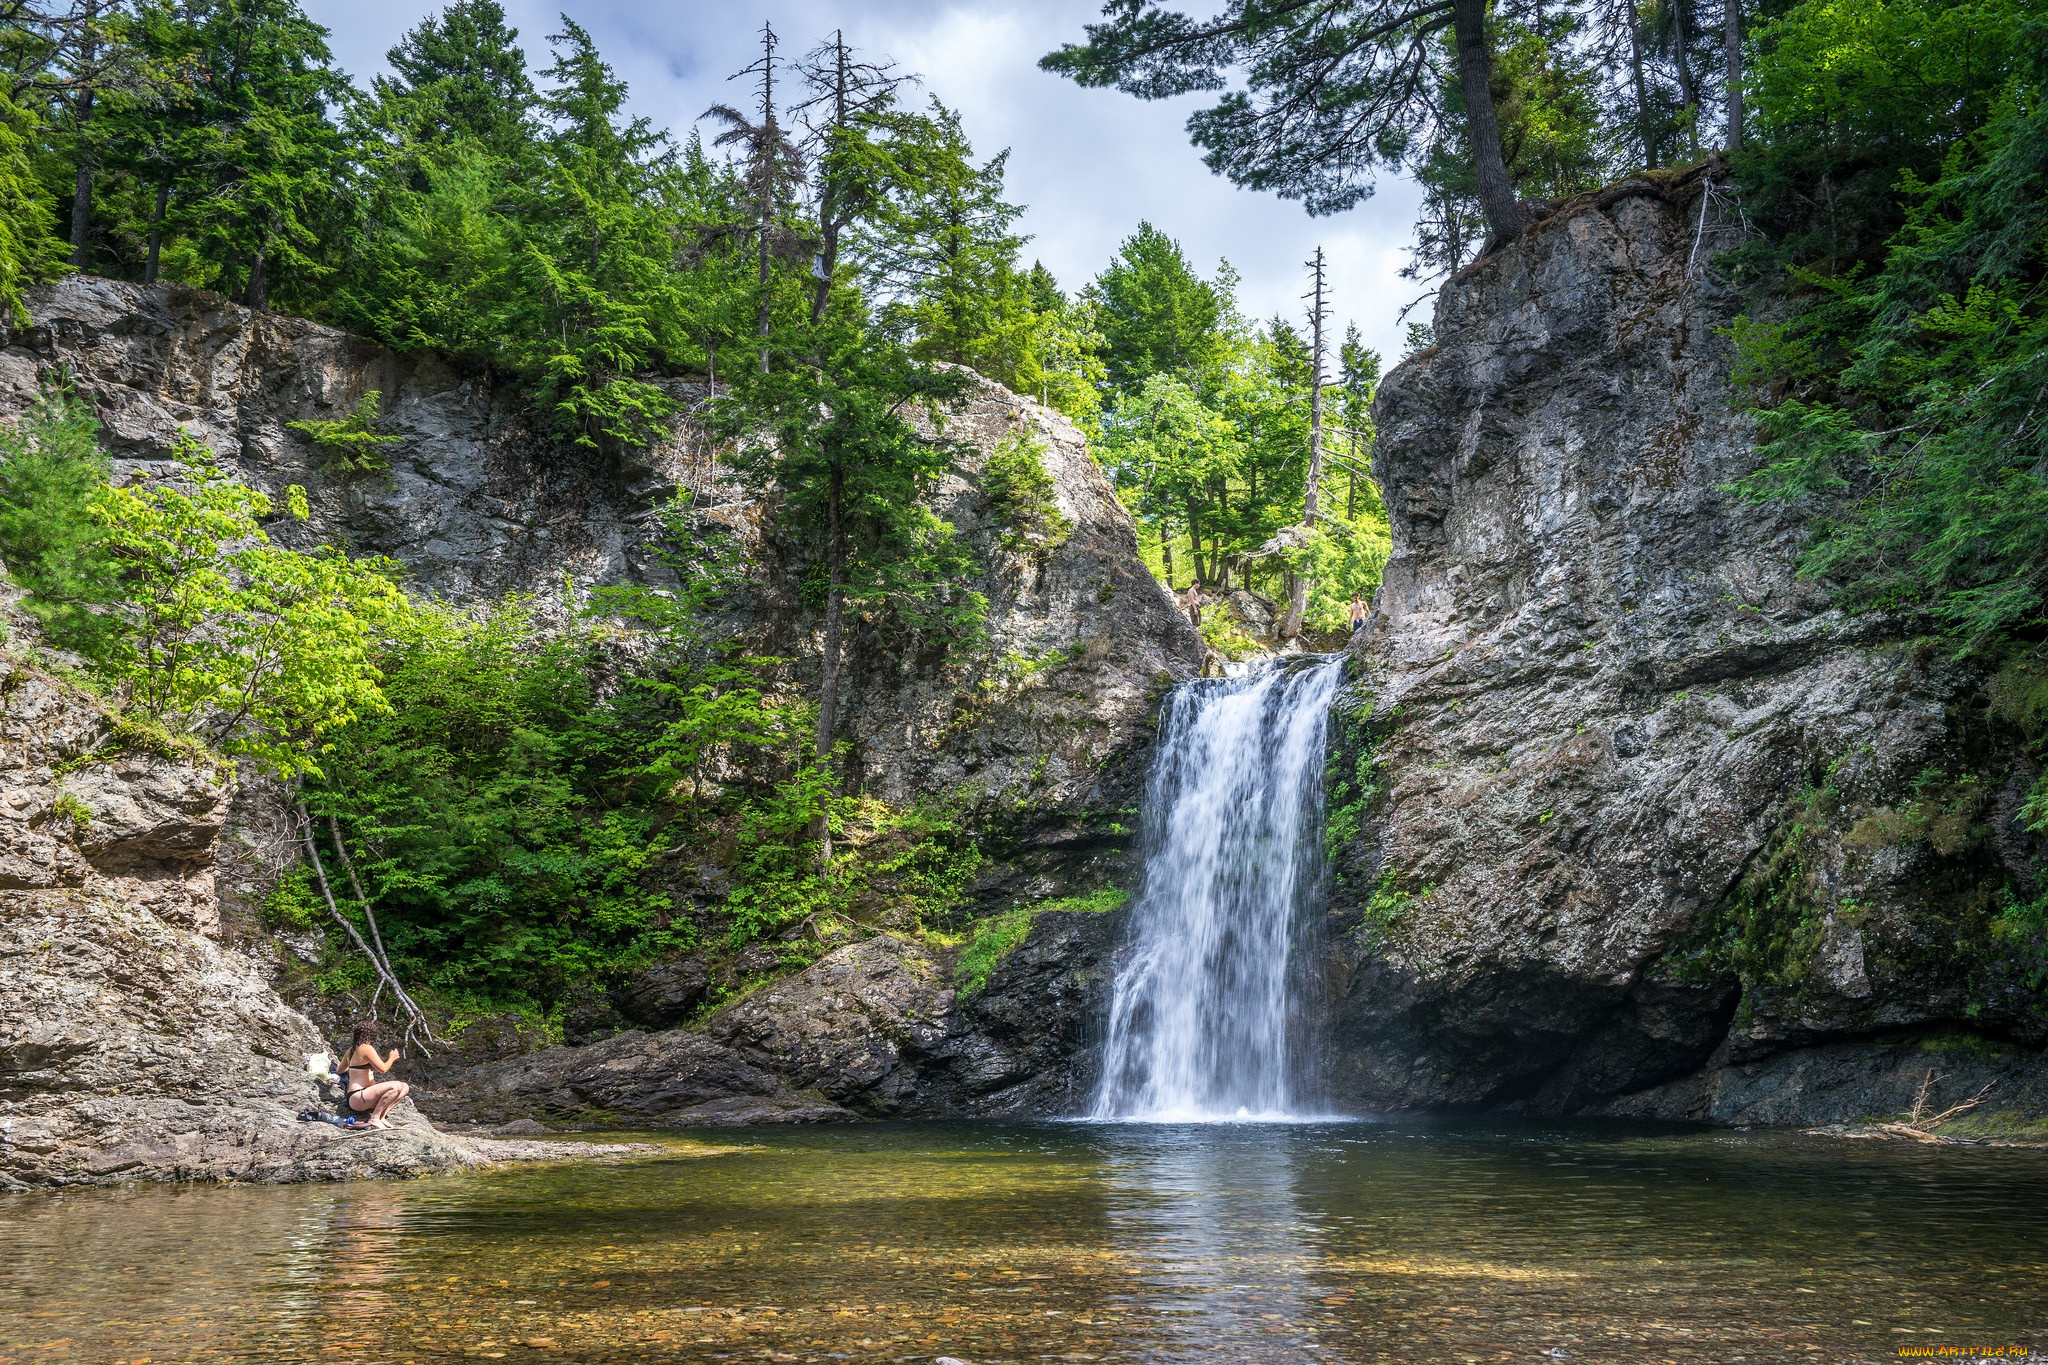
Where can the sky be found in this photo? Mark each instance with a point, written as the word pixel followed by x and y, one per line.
pixel 1089 164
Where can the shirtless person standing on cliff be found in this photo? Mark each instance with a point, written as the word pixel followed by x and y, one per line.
pixel 358 1065
pixel 1193 602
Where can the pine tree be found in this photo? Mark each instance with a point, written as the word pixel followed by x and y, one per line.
pixel 1156 315
pixel 1338 88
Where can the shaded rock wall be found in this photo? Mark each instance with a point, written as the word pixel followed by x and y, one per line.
pixel 1609 720
pixel 871 1030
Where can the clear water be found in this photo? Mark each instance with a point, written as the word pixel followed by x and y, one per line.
pixel 1465 1242
pixel 1206 1014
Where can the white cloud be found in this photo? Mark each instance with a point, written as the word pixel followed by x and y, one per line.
pixel 1090 164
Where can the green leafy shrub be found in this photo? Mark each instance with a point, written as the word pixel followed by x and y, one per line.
pixel 293 902
pixel 66 806
pixel 259 650
pixel 1018 495
pixel 50 467
pixel 475 809
pixel 351 444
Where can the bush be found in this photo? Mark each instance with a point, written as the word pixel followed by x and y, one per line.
pixel 1017 494
pixel 351 444
pixel 50 466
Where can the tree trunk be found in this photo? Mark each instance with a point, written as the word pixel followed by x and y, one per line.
pixel 1635 62
pixel 1475 77
pixel 156 229
pixel 835 615
pixel 762 313
pixel 1166 553
pixel 1687 89
pixel 81 195
pixel 1195 539
pixel 1732 38
pixel 257 285
pixel 1297 590
pixel 828 197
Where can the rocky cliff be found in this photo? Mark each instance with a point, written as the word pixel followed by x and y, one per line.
pixel 133 1045
pixel 1052 716
pixel 142 1040
pixel 1648 825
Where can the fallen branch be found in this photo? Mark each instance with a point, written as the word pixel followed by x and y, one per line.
pixel 378 963
pixel 1920 1125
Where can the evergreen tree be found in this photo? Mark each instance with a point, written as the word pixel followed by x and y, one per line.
pixel 828 431
pixel 1337 88
pixel 462 76
pixel 1156 316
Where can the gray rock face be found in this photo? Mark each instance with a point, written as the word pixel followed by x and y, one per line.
pixel 1598 699
pixel 132 1045
pixel 635 1079
pixel 664 994
pixel 1052 715
pixel 873 1029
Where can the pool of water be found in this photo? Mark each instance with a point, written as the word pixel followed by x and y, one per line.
pixel 1025 1242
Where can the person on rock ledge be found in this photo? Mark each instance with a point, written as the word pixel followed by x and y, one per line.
pixel 361 1060
pixel 1357 614
pixel 1193 602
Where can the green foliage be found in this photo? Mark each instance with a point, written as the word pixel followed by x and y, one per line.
pixel 1350 777
pixel 1155 315
pixel 212 635
pixel 470 806
pixel 832 436
pixel 1343 560
pixel 67 806
pixel 50 467
pixel 1769 929
pixel 1388 905
pixel 994 939
pixel 351 444
pixel 997 936
pixel 294 902
pixel 1017 494
pixel 258 650
pixel 29 254
pixel 1222 633
pixel 1907 397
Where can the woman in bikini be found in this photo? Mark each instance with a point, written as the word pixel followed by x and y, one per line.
pixel 357 1068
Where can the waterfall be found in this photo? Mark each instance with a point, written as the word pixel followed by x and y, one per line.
pixel 1203 1018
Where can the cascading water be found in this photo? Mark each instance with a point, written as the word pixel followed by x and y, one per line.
pixel 1203 1018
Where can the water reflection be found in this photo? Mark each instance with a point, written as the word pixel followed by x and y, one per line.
pixel 1140 1243
pixel 1209 1214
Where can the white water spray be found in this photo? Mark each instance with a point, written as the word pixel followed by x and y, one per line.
pixel 1203 1018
